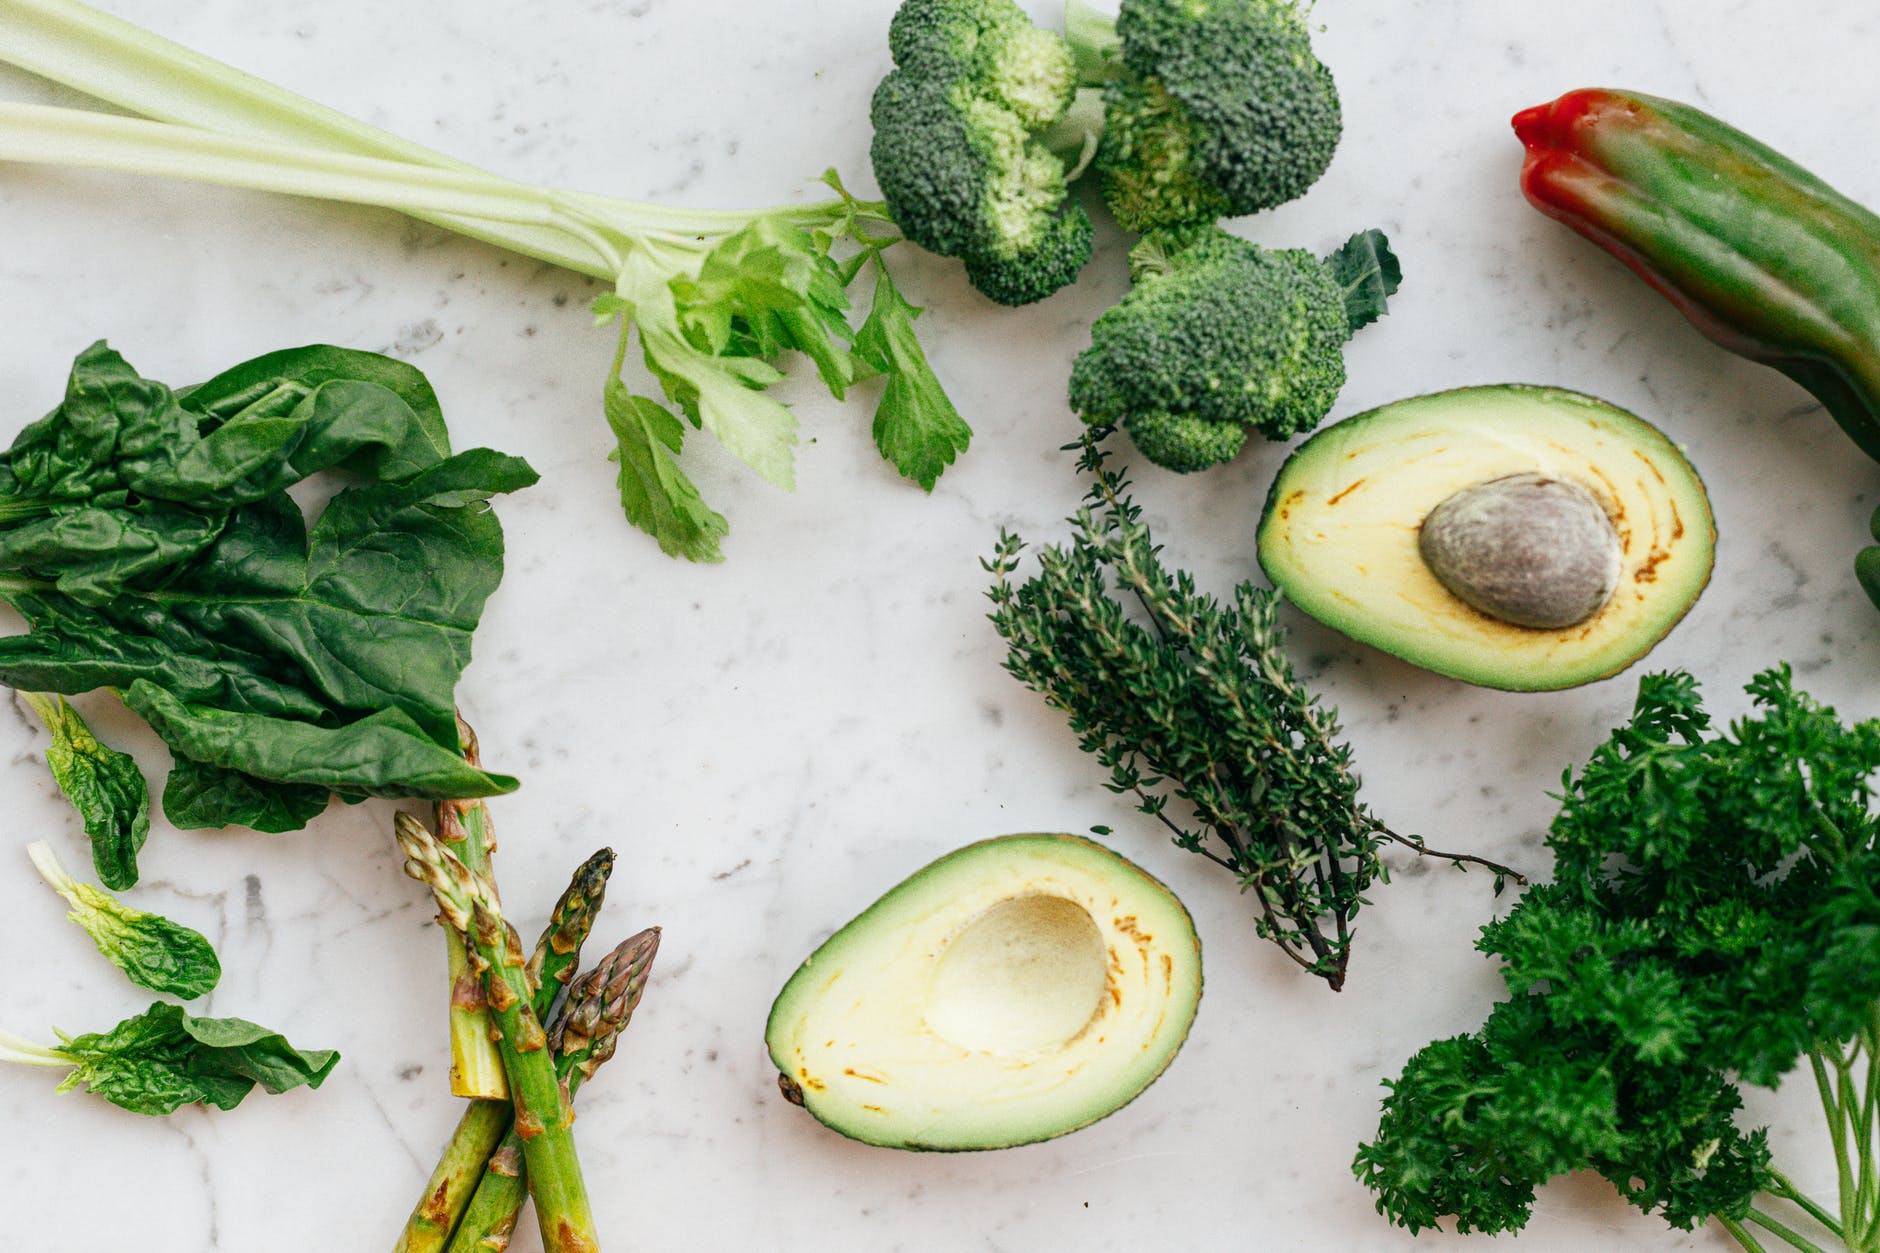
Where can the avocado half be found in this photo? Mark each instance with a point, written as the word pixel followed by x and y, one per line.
pixel 1340 532
pixel 1015 990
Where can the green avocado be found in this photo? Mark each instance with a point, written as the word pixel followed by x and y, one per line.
pixel 1516 537
pixel 1015 990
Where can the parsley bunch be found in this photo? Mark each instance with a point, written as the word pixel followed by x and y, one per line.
pixel 1193 703
pixel 1713 922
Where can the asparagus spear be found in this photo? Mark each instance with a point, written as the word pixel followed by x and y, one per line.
pixel 476 1069
pixel 598 1010
pixel 467 902
pixel 484 1123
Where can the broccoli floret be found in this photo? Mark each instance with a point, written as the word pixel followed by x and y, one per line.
pixel 958 146
pixel 1218 334
pixel 1214 108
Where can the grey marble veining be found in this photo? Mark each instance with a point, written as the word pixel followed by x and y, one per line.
pixel 771 743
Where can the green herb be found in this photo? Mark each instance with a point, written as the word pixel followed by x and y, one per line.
pixel 1194 702
pixel 715 297
pixel 163 1059
pixel 104 785
pixel 1712 922
pixel 152 951
pixel 917 426
pixel 149 539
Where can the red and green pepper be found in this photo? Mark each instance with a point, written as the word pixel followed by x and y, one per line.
pixel 1763 257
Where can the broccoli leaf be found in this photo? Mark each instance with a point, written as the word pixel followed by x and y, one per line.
pixel 656 494
pixel 148 538
pixel 916 426
pixel 152 951
pixel 1369 272
pixel 163 1059
pixel 104 785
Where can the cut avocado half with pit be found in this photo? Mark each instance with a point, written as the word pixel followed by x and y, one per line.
pixel 1012 991
pixel 1463 532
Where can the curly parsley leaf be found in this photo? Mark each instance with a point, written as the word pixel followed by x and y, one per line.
pixel 1713 921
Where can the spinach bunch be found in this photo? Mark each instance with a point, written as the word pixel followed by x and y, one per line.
pixel 149 539
pixel 1713 921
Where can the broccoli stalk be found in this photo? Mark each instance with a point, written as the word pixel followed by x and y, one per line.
pixel 715 297
pixel 1217 335
pixel 1212 110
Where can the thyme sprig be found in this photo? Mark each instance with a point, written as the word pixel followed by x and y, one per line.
pixel 1193 707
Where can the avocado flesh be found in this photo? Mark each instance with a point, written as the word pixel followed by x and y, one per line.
pixel 1014 990
pixel 1339 534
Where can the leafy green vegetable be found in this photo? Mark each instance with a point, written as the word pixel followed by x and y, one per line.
pixel 152 951
pixel 164 1059
pixel 917 427
pixel 716 297
pixel 149 539
pixel 104 785
pixel 1712 922
pixel 1194 706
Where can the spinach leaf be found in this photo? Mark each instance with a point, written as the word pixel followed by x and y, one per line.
pixel 104 785
pixel 152 951
pixel 148 538
pixel 163 1059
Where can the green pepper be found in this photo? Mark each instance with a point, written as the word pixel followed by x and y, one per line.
pixel 1763 257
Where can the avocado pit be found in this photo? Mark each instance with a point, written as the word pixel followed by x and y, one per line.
pixel 1531 550
pixel 1026 974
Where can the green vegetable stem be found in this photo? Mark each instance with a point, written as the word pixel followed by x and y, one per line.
pixel 544 1118
pixel 164 1059
pixel 485 1122
pixel 152 951
pixel 586 1035
pixel 476 1066
pixel 104 785
pixel 1712 923
pixel 1196 712
pixel 715 298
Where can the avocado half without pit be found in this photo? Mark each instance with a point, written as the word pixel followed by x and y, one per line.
pixel 1015 990
pixel 1525 538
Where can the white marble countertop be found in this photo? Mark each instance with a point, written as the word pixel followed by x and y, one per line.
pixel 771 743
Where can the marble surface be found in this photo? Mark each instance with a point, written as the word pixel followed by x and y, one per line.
pixel 771 743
